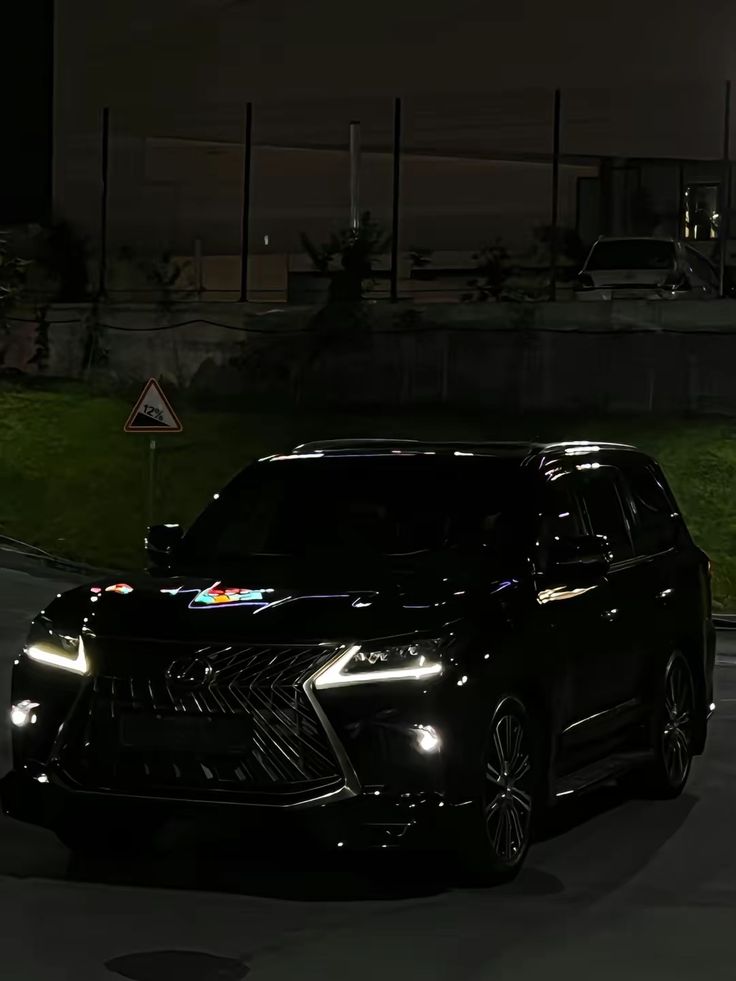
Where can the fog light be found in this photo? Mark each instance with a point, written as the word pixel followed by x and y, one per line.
pixel 427 738
pixel 23 713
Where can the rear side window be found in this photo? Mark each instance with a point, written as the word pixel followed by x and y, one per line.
pixel 654 524
pixel 602 501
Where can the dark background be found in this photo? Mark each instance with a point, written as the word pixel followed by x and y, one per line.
pixel 27 73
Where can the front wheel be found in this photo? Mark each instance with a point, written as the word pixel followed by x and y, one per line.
pixel 500 832
pixel 672 730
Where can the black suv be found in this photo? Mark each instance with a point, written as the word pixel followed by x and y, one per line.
pixel 381 642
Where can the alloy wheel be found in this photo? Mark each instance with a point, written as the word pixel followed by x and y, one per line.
pixel 678 721
pixel 508 786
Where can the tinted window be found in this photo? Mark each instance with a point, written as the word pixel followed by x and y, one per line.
pixel 632 254
pixel 390 505
pixel 559 517
pixel 602 502
pixel 654 528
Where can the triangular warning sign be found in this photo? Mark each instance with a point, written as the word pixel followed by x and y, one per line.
pixel 152 413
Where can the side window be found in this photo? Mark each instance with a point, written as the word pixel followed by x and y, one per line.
pixel 654 529
pixel 701 267
pixel 603 505
pixel 560 517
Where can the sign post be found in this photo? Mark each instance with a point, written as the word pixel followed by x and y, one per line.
pixel 152 414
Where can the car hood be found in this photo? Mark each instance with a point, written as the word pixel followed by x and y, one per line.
pixel 266 603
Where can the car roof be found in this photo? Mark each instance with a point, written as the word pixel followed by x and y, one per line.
pixel 637 238
pixel 523 451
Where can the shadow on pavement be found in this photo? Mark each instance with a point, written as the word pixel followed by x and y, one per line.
pixel 182 965
pixel 312 876
pixel 599 841
pixel 610 848
pixel 662 818
pixel 599 845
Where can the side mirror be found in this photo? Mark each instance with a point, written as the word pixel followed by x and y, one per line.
pixel 580 561
pixel 161 540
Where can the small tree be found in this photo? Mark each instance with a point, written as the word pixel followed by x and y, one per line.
pixel 571 251
pixel 64 255
pixel 494 268
pixel 168 278
pixel 12 275
pixel 165 274
pixel 12 282
pixel 356 249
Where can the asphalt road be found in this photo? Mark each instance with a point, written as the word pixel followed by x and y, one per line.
pixel 617 886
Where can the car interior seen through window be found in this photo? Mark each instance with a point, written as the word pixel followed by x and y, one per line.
pixel 602 502
pixel 378 506
pixel 560 518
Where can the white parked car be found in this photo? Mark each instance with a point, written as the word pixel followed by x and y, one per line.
pixel 646 269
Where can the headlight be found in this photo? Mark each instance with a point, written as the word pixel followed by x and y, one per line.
pixel 401 662
pixel 58 650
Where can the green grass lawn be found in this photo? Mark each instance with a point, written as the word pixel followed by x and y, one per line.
pixel 72 482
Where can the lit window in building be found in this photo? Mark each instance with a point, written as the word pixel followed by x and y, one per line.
pixel 701 212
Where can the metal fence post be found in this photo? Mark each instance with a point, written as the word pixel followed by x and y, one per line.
pixel 395 221
pixel 725 202
pixel 355 175
pixel 246 202
pixel 553 241
pixel 105 160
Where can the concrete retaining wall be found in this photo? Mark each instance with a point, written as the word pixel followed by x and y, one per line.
pixel 627 357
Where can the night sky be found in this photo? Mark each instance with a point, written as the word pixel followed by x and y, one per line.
pixel 413 44
pixel 191 64
pixel 639 77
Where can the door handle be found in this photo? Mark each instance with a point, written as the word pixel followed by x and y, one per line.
pixel 609 615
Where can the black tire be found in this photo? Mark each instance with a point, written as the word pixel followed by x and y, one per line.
pixel 497 840
pixel 88 835
pixel 673 729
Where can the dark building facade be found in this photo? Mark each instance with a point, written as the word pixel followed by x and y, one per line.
pixel 27 67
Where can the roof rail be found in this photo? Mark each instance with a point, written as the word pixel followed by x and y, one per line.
pixel 316 446
pixel 351 444
pixel 583 443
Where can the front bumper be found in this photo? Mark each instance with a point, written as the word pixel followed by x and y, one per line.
pixel 370 819
pixel 386 790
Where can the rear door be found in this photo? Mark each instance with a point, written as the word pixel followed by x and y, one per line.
pixel 610 682
pixel 664 571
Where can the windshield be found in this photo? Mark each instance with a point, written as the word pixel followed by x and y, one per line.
pixel 632 254
pixel 384 506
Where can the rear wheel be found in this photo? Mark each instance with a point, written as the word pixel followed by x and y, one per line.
pixel 672 730
pixel 500 834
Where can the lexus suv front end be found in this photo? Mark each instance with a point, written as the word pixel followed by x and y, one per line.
pixel 372 643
